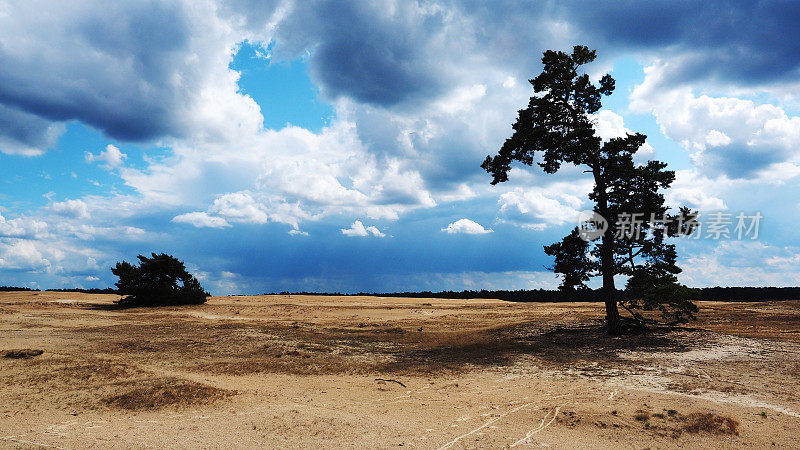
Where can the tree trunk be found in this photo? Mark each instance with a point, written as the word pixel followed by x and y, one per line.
pixel 614 327
pixel 607 264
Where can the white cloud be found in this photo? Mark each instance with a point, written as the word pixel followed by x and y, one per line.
pixel 201 220
pixel 697 191
pixel 111 156
pixel 466 226
pixel 22 227
pixel 462 192
pixel 375 161
pixel 727 136
pixel 358 229
pixel 739 263
pixel 21 254
pixel 75 208
pixel 157 77
pixel 609 124
pixel 538 207
pixel 53 255
pixel 238 207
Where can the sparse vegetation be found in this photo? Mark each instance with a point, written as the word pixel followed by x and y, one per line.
pixel 291 366
pixel 710 423
pixel 165 392
pixel 24 353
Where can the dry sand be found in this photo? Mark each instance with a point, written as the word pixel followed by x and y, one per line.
pixel 369 372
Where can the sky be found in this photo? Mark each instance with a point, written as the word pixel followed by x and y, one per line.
pixel 336 146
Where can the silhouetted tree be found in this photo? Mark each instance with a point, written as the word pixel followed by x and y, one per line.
pixel 159 280
pixel 558 123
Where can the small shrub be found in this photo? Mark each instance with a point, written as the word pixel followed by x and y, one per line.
pixel 642 416
pixel 157 281
pixel 711 423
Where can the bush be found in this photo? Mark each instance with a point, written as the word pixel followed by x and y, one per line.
pixel 158 281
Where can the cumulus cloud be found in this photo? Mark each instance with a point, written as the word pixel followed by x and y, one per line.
pixel 540 207
pixel 285 176
pixel 377 53
pixel 201 220
pixel 739 263
pixel 26 134
pixel 152 74
pixel 22 227
pixel 609 125
pixel 466 226
pixel 20 253
pixel 112 157
pixel 735 49
pixel 727 136
pixel 240 207
pixel 135 70
pixel 75 208
pixel 358 229
pixel 697 192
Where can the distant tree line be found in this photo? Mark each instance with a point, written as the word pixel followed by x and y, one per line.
pixel 744 294
pixel 15 288
pixel 724 294
pixel 85 291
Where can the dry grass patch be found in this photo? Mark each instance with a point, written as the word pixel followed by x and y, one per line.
pixel 164 392
pixel 77 373
pixel 710 423
pixel 23 353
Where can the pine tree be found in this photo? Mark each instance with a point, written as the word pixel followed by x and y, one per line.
pixel 157 281
pixel 558 124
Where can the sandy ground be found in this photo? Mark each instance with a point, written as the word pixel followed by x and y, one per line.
pixel 368 372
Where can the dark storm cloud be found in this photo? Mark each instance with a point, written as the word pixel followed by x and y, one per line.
pixel 374 56
pixel 363 50
pixel 25 133
pixel 744 42
pixel 127 68
pixel 113 66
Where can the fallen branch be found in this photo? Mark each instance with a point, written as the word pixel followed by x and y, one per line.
pixel 388 380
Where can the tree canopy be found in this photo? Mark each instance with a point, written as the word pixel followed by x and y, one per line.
pixel 558 127
pixel 159 280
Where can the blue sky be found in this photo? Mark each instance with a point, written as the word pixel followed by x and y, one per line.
pixel 335 146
